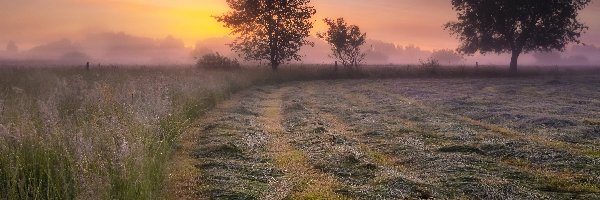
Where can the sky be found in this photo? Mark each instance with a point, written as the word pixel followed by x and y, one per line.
pixel 30 23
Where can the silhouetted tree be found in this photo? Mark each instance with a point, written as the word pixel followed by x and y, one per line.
pixel 516 26
pixel 272 30
pixel 447 56
pixel 345 40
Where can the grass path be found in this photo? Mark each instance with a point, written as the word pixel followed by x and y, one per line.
pixel 182 182
pixel 300 179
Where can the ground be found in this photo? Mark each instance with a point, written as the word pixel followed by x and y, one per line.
pixel 494 138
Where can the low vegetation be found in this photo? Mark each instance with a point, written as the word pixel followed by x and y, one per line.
pixel 101 134
pixel 405 139
pixel 217 61
pixel 108 133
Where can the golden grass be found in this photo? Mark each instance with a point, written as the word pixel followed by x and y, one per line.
pixel 310 183
pixel 593 122
pixel 182 172
pixel 551 180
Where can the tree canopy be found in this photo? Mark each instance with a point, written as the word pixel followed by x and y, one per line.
pixel 516 26
pixel 345 40
pixel 272 30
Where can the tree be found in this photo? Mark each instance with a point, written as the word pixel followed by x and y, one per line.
pixel 345 40
pixel 516 26
pixel 447 56
pixel 272 30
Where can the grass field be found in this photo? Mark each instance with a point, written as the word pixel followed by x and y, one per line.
pixel 380 133
pixel 499 138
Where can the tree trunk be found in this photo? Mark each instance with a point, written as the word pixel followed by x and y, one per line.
pixel 274 65
pixel 513 61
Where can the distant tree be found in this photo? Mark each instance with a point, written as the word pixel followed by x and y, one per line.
pixel 516 26
pixel 345 40
pixel 447 56
pixel 12 47
pixel 272 30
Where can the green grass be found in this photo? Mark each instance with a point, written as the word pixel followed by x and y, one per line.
pixel 37 171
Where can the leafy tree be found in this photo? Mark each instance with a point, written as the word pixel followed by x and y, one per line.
pixel 272 30
pixel 516 26
pixel 345 40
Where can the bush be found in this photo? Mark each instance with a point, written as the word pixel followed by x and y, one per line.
pixel 431 65
pixel 217 61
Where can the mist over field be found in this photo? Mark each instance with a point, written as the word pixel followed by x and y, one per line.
pixel 127 49
pixel 155 32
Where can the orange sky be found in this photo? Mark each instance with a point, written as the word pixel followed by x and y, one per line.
pixel 403 22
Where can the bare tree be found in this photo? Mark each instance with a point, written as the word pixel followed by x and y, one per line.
pixel 272 30
pixel 345 40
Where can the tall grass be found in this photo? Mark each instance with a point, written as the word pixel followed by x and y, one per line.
pixel 99 134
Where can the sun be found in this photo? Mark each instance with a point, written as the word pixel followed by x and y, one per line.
pixel 193 23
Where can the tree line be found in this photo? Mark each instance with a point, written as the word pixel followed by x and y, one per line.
pixel 276 30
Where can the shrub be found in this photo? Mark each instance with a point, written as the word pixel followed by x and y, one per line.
pixel 431 65
pixel 217 61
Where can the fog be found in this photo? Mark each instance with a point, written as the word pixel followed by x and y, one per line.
pixel 107 48
pixel 127 49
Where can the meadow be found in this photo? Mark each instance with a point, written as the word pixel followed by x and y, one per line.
pixel 304 132
pixel 440 138
pixel 106 133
